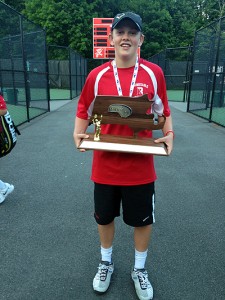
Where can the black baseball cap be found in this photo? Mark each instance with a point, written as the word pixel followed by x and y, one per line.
pixel 128 15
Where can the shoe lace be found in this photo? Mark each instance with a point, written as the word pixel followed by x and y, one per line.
pixel 102 271
pixel 143 279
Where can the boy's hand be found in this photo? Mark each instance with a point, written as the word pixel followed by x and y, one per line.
pixel 168 140
pixel 78 137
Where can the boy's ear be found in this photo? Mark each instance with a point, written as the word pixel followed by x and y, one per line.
pixel 111 40
pixel 141 40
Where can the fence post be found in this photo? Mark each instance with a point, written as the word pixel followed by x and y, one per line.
pixel 26 75
pixel 47 71
pixel 187 75
pixel 70 72
pixel 216 66
pixel 191 73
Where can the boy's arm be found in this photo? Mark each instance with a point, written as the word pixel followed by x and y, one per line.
pixel 168 135
pixel 3 112
pixel 80 128
pixel 3 108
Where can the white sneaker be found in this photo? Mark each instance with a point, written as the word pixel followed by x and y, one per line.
pixel 102 278
pixel 4 193
pixel 142 285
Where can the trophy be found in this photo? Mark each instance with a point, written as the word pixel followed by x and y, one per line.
pixel 97 123
pixel 130 111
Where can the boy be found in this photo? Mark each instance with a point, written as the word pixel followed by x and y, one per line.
pixel 5 188
pixel 122 177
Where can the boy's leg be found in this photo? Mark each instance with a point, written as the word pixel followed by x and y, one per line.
pixel 142 237
pixel 106 234
pixel 141 211
pixel 139 275
pixel 102 278
pixel 107 207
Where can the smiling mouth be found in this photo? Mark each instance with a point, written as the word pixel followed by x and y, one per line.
pixel 125 45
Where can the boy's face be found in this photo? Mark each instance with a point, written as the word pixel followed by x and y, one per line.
pixel 126 39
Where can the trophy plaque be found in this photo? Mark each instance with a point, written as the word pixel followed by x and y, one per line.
pixel 130 111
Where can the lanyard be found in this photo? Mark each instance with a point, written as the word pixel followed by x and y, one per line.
pixel 116 76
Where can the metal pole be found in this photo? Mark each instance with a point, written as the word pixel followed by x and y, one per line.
pixel 26 75
pixel 47 72
pixel 70 72
pixel 216 66
pixel 191 73
pixel 187 79
pixel 76 63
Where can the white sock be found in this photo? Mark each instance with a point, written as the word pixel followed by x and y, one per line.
pixel 140 259
pixel 106 254
pixel 2 185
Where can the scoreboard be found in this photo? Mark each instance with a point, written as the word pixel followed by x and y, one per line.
pixel 101 45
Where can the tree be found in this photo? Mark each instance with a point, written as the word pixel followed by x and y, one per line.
pixel 18 5
pixel 167 23
pixel 67 22
pixel 208 11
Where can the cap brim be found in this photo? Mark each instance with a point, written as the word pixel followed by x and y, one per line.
pixel 124 18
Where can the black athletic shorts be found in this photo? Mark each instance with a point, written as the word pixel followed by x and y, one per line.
pixel 137 203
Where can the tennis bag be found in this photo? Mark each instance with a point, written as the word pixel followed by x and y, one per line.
pixel 8 132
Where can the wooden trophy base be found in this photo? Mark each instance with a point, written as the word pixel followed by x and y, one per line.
pixel 123 144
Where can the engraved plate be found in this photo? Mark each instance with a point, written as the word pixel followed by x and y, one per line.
pixel 123 110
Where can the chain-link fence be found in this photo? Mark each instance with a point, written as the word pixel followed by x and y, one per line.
pixel 207 85
pixel 67 72
pixel 78 69
pixel 32 74
pixel 23 65
pixel 175 63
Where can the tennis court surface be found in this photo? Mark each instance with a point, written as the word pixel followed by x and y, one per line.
pixel 49 242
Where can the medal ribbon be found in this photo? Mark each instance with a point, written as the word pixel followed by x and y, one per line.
pixel 117 80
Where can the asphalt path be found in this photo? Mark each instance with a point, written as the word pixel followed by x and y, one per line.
pixel 49 246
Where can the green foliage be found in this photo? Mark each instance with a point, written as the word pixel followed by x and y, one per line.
pixel 15 4
pixel 167 23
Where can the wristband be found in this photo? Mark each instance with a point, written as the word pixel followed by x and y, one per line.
pixel 169 132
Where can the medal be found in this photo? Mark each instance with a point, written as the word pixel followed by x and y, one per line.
pixel 117 80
